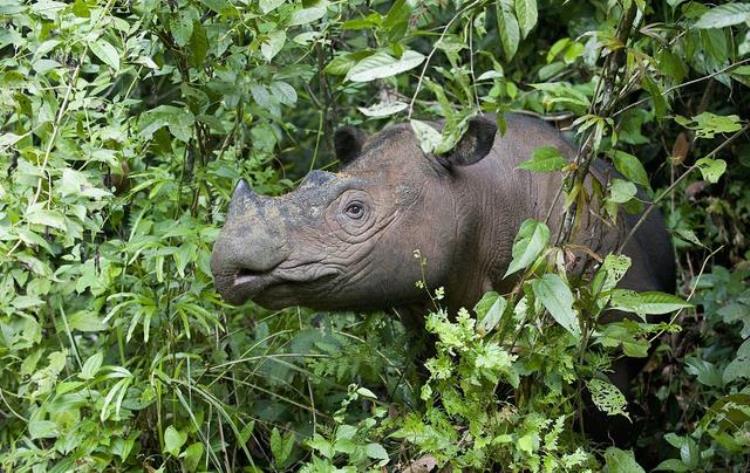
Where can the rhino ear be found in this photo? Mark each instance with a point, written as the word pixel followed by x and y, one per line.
pixel 348 142
pixel 474 145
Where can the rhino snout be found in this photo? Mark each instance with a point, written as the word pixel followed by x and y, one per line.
pixel 250 246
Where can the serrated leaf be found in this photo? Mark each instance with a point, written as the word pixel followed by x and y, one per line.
pixel 531 240
pixel 729 14
pixel 107 53
pixel 381 65
pixel 557 298
pixel 527 15
pixel 545 159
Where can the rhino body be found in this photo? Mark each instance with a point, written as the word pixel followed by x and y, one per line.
pixel 347 240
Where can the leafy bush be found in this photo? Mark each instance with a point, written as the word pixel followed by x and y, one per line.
pixel 124 126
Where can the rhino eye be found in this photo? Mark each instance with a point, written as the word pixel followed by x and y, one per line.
pixel 355 210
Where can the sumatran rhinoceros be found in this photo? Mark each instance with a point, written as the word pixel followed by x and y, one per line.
pixel 346 240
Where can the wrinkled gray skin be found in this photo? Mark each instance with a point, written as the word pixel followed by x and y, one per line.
pixel 347 240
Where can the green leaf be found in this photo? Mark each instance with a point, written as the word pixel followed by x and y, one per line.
pixel 630 167
pixel 273 44
pixel 38 215
pixel 646 303
pixel 739 367
pixel 531 240
pixel 704 371
pixel 383 109
pixel 657 95
pixel 281 447
pixel 42 429
pixel 556 297
pixel 308 15
pixel 526 12
pixel 711 169
pixel 507 28
pixel 106 53
pixel 198 45
pixel 729 14
pixel 181 27
pixel 381 65
pixel 174 440
pixel 672 464
pixel 364 392
pixel 429 138
pixel 86 321
pixel 376 452
pixel 490 308
pixel 193 455
pixel 322 446
pixel 621 461
pixel 179 121
pixel 621 191
pixel 607 398
pixel 707 125
pixel 91 366
pixel 284 92
pixel 267 6
pixel 545 159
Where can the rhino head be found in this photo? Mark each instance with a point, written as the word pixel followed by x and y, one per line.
pixel 347 240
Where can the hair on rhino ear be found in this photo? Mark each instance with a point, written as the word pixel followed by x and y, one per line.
pixel 348 142
pixel 474 145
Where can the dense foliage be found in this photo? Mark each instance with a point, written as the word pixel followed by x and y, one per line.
pixel 125 124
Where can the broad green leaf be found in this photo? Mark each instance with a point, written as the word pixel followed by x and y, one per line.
pixel 308 15
pixel 707 125
pixel 284 92
pixel 672 464
pixel 193 455
pixel 429 138
pixel 712 169
pixel 729 14
pixel 545 159
pixel 174 440
pixel 281 447
pixel 91 366
pixel 704 371
pixel 383 109
pixel 646 303
pixel 507 27
pixel 42 429
pixel 621 191
pixel 621 461
pixel 657 95
pixel 86 321
pixel 531 240
pixel 179 121
pixel 555 296
pixel 630 167
pixel 739 367
pixel 376 452
pixel 273 44
pixel 526 13
pixel 181 27
pixel 38 215
pixel 607 398
pixel 267 6
pixel 322 446
pixel 490 309
pixel 106 53
pixel 364 392
pixel 381 65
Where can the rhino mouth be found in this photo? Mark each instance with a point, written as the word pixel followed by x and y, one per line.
pixel 261 286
